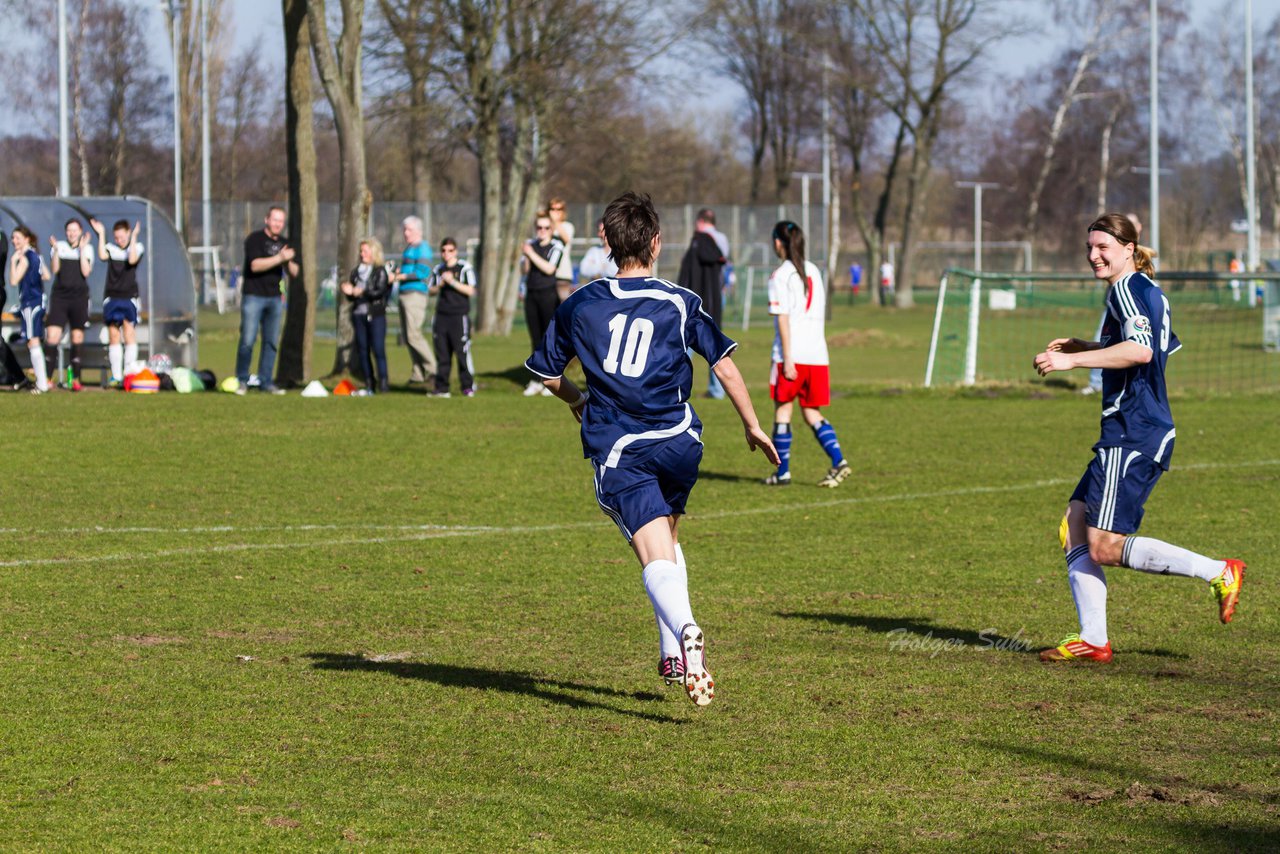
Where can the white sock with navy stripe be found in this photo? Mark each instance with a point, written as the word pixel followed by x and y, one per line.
pixel 667 586
pixel 1089 590
pixel 667 640
pixel 1148 555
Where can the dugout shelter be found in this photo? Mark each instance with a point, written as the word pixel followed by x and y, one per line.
pixel 166 284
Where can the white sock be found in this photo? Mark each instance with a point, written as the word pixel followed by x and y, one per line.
pixel 130 353
pixel 38 365
pixel 1148 555
pixel 668 590
pixel 115 353
pixel 667 640
pixel 1089 590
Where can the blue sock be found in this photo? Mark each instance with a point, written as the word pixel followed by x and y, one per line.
pixel 782 441
pixel 826 436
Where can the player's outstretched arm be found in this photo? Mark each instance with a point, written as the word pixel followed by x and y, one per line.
pixel 727 372
pixel 1071 345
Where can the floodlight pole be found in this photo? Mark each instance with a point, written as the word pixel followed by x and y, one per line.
pixel 804 199
pixel 1251 190
pixel 1154 141
pixel 826 161
pixel 64 142
pixel 175 14
pixel 975 289
pixel 205 208
pixel 978 187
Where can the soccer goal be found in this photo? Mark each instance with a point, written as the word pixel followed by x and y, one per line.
pixel 987 327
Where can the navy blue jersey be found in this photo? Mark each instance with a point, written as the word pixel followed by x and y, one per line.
pixel 632 337
pixel 1135 403
pixel 31 288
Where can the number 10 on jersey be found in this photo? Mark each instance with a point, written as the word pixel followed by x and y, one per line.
pixel 636 353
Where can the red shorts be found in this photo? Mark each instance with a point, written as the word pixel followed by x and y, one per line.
pixel 812 385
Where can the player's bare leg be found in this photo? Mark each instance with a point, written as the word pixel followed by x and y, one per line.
pixel 668 590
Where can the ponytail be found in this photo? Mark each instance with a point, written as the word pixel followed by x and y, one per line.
pixel 791 236
pixel 1143 259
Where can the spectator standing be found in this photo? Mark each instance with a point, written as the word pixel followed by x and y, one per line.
pixel 268 257
pixel 454 282
pixel 72 262
pixel 597 262
pixel 368 286
pixel 562 230
pixel 415 270
pixel 702 271
pixel 541 260
pixel 120 307
pixel 28 274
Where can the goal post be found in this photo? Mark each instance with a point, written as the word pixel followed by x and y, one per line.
pixel 988 326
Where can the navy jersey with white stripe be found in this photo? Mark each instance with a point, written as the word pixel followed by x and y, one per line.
pixel 632 337
pixel 1135 403
pixel 31 288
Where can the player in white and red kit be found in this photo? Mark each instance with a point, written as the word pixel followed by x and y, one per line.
pixel 801 366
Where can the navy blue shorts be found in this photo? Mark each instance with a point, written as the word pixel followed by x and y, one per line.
pixel 31 321
pixel 633 496
pixel 118 311
pixel 1115 487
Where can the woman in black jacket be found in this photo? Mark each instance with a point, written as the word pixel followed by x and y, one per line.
pixel 369 286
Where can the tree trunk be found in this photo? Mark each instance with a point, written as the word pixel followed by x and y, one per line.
pixel 340 75
pixel 77 98
pixel 1055 133
pixel 1104 166
pixel 294 367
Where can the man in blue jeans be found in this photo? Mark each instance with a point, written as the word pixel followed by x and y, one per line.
pixel 267 257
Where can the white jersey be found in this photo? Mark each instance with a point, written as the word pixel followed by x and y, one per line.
pixel 807 313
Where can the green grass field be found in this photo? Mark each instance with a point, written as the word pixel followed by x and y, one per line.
pixel 401 623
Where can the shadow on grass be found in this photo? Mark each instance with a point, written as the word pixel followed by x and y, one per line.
pixel 1158 787
pixel 732 478
pixel 919 627
pixel 484 679
pixel 517 375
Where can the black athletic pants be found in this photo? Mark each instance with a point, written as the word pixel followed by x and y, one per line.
pixel 451 335
pixel 539 307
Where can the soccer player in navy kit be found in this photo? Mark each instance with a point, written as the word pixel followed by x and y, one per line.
pixel 631 334
pixel 1135 446
pixel 120 308
pixel 28 275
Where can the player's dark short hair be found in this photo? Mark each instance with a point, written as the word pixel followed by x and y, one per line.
pixel 630 225
pixel 121 224
pixel 448 241
pixel 275 208
pixel 73 219
pixel 707 215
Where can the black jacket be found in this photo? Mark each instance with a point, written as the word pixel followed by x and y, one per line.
pixel 376 289
pixel 702 271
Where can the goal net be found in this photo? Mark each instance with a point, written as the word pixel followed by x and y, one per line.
pixel 988 327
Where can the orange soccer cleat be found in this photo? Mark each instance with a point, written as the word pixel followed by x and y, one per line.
pixel 1226 587
pixel 1073 648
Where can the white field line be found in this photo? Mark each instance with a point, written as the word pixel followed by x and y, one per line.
pixel 416 533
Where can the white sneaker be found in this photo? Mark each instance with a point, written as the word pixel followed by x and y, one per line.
pixel 546 392
pixel 697 679
pixel 534 387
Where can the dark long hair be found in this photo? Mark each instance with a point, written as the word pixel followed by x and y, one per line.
pixel 1122 229
pixel 791 236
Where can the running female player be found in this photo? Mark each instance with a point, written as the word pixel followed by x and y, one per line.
pixel 1135 446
